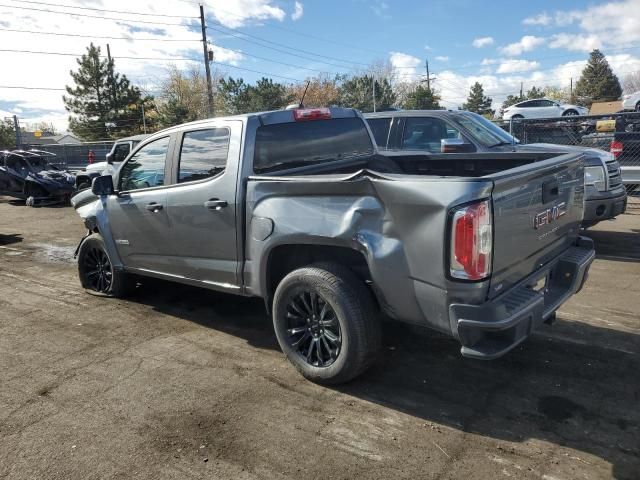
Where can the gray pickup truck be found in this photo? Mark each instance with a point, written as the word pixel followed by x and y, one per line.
pixel 444 133
pixel 297 207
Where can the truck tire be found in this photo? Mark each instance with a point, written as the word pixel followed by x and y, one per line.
pixel 326 323
pixel 96 273
pixel 83 184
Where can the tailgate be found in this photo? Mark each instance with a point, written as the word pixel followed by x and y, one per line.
pixel 537 213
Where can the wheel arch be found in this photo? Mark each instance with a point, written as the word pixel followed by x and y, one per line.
pixel 284 258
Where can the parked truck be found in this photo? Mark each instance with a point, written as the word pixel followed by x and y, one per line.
pixel 442 134
pixel 119 151
pixel 299 208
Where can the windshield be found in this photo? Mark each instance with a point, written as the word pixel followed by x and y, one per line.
pixel 484 131
pixel 289 145
pixel 38 164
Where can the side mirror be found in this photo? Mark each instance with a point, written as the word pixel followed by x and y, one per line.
pixel 455 145
pixel 110 158
pixel 102 185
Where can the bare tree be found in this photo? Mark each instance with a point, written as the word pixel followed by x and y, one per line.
pixel 323 91
pixel 631 82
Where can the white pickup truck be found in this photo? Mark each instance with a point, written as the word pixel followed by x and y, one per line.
pixel 120 150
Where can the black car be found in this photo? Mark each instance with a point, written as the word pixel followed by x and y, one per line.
pixel 29 175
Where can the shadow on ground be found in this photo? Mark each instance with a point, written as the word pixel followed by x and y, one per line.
pixel 618 244
pixel 9 239
pixel 573 384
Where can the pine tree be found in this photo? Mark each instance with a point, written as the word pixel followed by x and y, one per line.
pixel 477 102
pixel 7 135
pixel 421 98
pixel 103 103
pixel 357 92
pixel 597 82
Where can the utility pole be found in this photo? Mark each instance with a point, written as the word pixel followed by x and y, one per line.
pixel 373 83
pixel 520 89
pixel 206 61
pixel 111 79
pixel 16 126
pixel 429 79
pixel 144 120
pixel 571 90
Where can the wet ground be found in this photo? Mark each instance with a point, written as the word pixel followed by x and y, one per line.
pixel 179 382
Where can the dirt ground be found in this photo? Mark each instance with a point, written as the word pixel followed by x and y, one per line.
pixel 179 382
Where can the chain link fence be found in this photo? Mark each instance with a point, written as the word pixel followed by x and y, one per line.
pixel 76 156
pixel 617 133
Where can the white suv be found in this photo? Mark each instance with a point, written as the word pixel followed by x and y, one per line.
pixel 631 101
pixel 541 108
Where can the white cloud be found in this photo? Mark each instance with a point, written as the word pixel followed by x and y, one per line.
pixel 515 66
pixel 525 44
pixel 428 48
pixel 232 14
pixel 454 86
pixel 482 42
pixel 442 58
pixel 406 66
pixel 27 69
pixel 541 19
pixel 224 55
pixel 575 42
pixel 380 8
pixel 613 23
pixel 298 12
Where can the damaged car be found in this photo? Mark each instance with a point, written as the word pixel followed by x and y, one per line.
pixel 299 208
pixel 29 176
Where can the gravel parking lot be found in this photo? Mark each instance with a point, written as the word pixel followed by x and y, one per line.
pixel 179 382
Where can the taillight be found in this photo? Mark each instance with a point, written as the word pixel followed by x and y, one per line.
pixel 306 114
pixel 471 242
pixel 616 148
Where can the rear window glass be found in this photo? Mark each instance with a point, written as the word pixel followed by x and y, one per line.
pixel 289 145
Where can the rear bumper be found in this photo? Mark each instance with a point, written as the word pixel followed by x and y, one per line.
pixel 490 330
pixel 598 209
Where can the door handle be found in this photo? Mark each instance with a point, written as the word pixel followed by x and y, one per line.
pixel 154 207
pixel 215 204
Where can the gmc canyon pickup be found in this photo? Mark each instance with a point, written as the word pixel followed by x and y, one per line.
pixel 458 132
pixel 298 207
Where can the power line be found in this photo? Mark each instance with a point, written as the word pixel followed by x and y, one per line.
pixel 123 20
pixel 38 32
pixel 278 49
pixel 37 52
pixel 350 62
pixel 302 34
pixel 126 12
pixel 274 61
pixel 257 71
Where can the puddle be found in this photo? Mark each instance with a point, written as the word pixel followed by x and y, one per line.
pixel 54 253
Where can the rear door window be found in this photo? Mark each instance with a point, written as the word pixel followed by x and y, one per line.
pixel 203 154
pixel 426 133
pixel 297 144
pixel 380 129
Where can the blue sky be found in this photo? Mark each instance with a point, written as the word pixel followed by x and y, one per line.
pixel 499 43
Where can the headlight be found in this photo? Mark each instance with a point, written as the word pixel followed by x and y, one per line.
pixel 595 176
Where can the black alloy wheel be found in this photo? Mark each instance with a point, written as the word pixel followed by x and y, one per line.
pixel 314 330
pixel 97 270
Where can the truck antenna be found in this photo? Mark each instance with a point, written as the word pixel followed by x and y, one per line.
pixel 304 93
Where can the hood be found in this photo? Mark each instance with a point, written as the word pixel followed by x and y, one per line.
pixel 96 167
pixel 61 177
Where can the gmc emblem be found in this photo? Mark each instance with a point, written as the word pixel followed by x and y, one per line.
pixel 549 215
